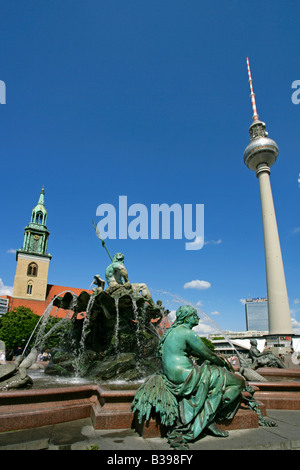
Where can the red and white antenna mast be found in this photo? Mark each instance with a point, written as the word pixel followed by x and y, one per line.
pixel 252 95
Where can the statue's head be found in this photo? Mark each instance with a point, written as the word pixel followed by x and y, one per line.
pixel 253 342
pixel 182 315
pixel 185 311
pixel 118 257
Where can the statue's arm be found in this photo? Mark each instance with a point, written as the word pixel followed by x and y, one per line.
pixel 201 350
pixel 255 352
pixel 109 272
pixel 124 273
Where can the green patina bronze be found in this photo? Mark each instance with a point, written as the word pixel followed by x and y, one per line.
pixel 116 275
pixel 189 395
pixel 36 232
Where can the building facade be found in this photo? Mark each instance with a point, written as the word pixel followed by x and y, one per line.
pixel 257 314
pixel 3 305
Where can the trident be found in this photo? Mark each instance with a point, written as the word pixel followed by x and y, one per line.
pixel 100 238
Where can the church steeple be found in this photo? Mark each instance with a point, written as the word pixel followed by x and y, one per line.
pixel 36 233
pixel 32 259
pixel 39 213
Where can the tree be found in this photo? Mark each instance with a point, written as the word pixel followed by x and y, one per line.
pixel 16 326
pixel 208 343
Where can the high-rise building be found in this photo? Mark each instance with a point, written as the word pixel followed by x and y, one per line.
pixel 257 314
pixel 259 156
pixel 3 306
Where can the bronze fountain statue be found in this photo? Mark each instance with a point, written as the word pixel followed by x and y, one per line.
pixel 186 386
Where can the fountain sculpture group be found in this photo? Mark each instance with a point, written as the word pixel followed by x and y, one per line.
pixel 184 383
pixel 118 337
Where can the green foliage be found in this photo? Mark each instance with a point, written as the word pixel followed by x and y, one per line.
pixel 208 343
pixel 54 339
pixel 16 326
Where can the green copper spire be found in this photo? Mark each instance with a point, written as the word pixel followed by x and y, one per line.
pixel 42 198
pixel 39 213
pixel 36 233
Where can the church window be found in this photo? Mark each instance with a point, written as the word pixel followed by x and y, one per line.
pixel 39 218
pixel 32 269
pixel 29 288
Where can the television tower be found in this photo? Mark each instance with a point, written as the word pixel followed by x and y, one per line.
pixel 259 156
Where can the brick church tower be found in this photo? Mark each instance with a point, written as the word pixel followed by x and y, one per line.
pixel 32 259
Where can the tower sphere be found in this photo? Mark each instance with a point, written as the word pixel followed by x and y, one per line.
pixel 261 149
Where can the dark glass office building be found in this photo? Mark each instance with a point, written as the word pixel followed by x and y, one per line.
pixel 257 314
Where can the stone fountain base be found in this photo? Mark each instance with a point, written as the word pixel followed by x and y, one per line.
pixel 108 409
pixel 244 419
pixel 40 407
pixel 282 389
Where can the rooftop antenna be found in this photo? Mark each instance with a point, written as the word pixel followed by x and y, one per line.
pixel 252 95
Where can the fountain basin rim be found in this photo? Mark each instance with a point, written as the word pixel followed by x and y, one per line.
pixel 280 385
pixel 102 392
pixel 267 371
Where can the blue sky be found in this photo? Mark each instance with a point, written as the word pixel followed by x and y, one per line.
pixel 150 100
